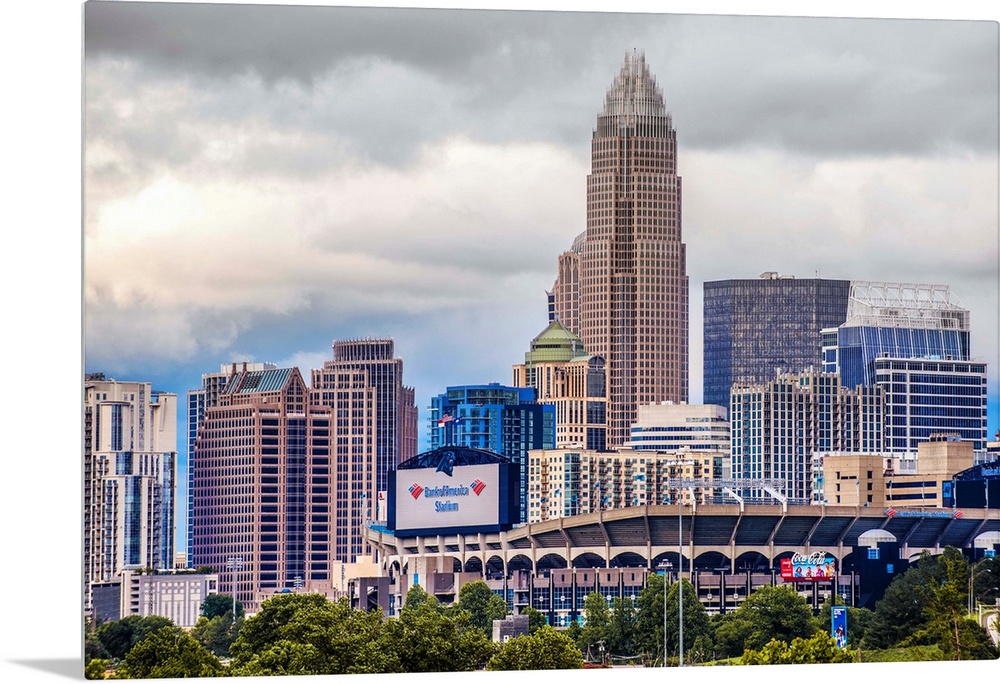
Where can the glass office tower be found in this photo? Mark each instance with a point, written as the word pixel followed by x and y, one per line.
pixel 914 341
pixel 754 328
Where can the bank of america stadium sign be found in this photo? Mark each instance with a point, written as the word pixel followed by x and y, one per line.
pixel 446 492
pixel 432 499
pixel 919 513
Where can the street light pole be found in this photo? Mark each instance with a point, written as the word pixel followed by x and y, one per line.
pixel 666 567
pixel 680 584
pixel 235 563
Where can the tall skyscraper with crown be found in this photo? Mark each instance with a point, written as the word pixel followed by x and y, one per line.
pixel 632 299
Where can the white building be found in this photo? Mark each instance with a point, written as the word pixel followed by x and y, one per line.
pixel 130 473
pixel 667 426
pixel 175 595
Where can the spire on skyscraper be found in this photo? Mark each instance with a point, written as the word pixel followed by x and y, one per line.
pixel 634 91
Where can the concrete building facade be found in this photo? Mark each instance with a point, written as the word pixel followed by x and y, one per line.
pixel 174 595
pixel 566 377
pixel 568 482
pixel 893 480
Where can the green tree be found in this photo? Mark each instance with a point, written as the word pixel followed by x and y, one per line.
pixel 946 621
pixel 546 649
pixel 169 653
pixel 927 607
pixel 696 622
pixel 620 635
pixel 92 646
pixel 218 633
pixel 418 595
pixel 768 613
pixel 819 648
pixel 216 605
pixel 536 620
pixel 426 638
pixel 575 631
pixel 597 617
pixel 482 604
pixel 986 580
pixel 900 611
pixel 305 634
pixel 701 651
pixel 96 668
pixel 650 618
pixel 119 636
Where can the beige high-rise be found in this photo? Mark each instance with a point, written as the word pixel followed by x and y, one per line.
pixel 633 304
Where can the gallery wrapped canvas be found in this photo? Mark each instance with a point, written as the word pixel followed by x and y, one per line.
pixel 455 340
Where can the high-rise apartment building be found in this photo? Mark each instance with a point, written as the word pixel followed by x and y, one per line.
pixel 776 427
pixel 754 328
pixel 504 420
pixel 631 263
pixel 250 465
pixel 395 412
pixel 913 341
pixel 564 375
pixel 567 482
pixel 130 473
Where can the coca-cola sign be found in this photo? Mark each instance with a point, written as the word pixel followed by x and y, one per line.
pixel 808 568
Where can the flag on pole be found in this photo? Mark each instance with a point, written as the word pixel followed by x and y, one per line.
pixel 446 418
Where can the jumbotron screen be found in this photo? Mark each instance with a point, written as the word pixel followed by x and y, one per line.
pixel 427 498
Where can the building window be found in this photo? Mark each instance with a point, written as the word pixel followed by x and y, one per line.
pixel 873 554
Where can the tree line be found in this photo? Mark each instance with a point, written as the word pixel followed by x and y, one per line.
pixel 923 616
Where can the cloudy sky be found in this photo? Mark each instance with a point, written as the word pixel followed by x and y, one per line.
pixel 260 181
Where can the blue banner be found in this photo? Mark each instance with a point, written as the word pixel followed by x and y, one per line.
pixel 838 626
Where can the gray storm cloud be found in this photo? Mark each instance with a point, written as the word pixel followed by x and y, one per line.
pixel 328 169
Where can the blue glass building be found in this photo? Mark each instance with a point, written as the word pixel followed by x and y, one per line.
pixel 914 342
pixel 504 420
pixel 755 327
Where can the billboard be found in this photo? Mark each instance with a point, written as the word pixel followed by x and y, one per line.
pixel 803 568
pixel 468 496
pixel 838 625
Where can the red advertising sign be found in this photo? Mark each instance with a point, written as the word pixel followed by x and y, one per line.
pixel 802 568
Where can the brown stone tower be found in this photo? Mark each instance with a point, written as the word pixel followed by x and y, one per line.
pixel 633 275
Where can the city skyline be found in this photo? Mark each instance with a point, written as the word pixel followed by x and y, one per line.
pixel 235 203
